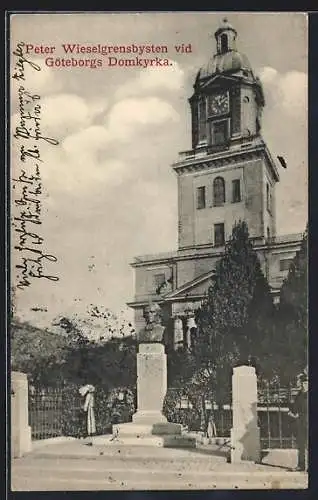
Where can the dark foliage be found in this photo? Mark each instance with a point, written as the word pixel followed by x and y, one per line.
pixel 39 353
pixel 116 405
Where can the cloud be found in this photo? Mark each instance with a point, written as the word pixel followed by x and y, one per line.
pixel 287 90
pixel 63 114
pixel 78 170
pixel 153 78
pixel 44 81
pixel 86 142
pixel 129 115
pixel 285 128
pixel 90 155
pixel 294 88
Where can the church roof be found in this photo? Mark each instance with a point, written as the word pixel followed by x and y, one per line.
pixel 228 62
pixel 227 58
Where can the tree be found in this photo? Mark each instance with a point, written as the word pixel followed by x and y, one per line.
pixel 294 293
pixel 96 323
pixel 101 348
pixel 237 314
pixel 108 365
pixel 39 353
pixel 73 353
pixel 292 324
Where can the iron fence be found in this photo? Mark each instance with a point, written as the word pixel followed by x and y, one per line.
pixel 45 412
pixel 47 416
pixel 58 411
pixel 276 427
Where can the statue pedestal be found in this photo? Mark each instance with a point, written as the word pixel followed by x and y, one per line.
pixel 151 384
pixel 149 426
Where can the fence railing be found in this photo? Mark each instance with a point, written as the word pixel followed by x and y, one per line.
pixel 59 411
pixel 47 416
pixel 276 427
pixel 45 412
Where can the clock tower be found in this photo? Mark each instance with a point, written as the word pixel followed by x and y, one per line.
pixel 228 174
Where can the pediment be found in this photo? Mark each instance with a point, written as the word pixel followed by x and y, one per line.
pixel 197 287
pixel 218 79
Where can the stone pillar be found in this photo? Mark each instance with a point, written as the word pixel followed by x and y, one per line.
pixel 20 429
pixel 178 333
pixel 151 384
pixel 245 433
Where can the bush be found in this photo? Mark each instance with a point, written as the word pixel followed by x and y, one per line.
pixel 106 406
pixel 71 411
pixel 38 353
pixel 189 417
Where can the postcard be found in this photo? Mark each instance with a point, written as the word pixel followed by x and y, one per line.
pixel 158 200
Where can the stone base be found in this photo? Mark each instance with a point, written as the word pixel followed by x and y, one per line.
pixel 159 429
pixel 161 434
pixel 166 441
pixel 148 417
pixel 245 445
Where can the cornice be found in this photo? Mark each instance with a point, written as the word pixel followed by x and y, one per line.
pixel 228 157
pixel 208 251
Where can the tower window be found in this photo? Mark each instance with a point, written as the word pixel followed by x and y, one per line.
pixel 159 280
pixel 218 191
pixel 201 197
pixel 219 132
pixel 267 197
pixel 224 43
pixel 202 119
pixel 236 191
pixel 219 235
pixel 284 264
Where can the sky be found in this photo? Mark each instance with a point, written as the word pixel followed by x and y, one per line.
pixel 109 192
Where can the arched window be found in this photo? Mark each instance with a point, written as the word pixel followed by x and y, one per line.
pixel 224 43
pixel 218 191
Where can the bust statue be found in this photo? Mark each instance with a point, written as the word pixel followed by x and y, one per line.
pixel 153 331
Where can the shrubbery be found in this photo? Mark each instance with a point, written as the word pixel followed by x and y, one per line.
pixel 108 408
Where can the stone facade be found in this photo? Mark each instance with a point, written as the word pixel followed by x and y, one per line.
pixel 227 176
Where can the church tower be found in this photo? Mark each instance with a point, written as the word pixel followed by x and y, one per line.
pixel 229 174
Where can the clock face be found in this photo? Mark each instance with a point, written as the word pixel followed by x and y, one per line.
pixel 219 104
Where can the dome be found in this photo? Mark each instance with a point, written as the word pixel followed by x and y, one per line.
pixel 227 58
pixel 228 62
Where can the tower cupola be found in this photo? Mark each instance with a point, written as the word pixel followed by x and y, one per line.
pixel 225 37
pixel 226 59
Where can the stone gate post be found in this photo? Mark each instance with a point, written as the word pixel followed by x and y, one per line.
pixel 245 433
pixel 20 429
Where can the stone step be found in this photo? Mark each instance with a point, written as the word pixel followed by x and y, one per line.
pixel 98 476
pixel 159 429
pixel 163 441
